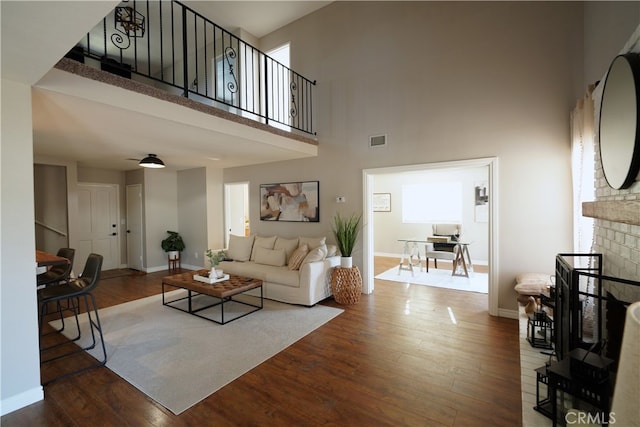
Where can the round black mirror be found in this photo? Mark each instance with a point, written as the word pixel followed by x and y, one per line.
pixel 619 122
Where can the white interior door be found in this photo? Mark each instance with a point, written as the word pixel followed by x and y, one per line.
pixel 134 226
pixel 98 224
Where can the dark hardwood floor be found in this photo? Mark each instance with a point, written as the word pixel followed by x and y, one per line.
pixel 394 359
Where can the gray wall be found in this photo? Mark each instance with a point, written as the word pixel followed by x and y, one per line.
pixel 192 214
pixel 608 25
pixel 446 81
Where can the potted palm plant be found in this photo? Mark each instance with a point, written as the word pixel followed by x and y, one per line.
pixel 346 230
pixel 173 244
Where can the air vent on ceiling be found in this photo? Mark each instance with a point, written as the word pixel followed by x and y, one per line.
pixel 377 141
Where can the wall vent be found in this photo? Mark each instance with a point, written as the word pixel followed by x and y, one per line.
pixel 377 141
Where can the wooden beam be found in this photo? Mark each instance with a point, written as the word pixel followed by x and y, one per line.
pixel 625 211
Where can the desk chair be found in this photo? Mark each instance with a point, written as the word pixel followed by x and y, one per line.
pixel 71 292
pixel 58 273
pixel 442 243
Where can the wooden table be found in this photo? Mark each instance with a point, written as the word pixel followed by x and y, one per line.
pixel 462 264
pixel 46 259
pixel 222 292
pixel 409 252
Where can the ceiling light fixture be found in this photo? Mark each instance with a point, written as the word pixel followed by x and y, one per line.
pixel 151 161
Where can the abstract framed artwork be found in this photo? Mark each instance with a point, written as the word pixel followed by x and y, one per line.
pixel 291 201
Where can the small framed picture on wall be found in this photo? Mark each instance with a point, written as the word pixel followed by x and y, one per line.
pixel 382 202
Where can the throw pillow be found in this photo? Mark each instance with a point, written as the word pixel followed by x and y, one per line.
pixel 297 257
pixel 262 242
pixel 240 247
pixel 317 254
pixel 332 250
pixel 274 257
pixel 289 245
pixel 312 242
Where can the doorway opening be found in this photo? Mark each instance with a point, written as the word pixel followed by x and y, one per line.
pixel 369 186
pixel 236 210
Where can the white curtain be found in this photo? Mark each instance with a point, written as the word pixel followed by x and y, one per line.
pixel 583 170
pixel 583 173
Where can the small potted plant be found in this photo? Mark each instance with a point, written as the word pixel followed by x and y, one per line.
pixel 173 244
pixel 214 260
pixel 346 230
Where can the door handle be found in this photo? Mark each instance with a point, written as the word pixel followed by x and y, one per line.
pixel 128 231
pixel 114 234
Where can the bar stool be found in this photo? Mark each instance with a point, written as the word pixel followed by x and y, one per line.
pixel 71 292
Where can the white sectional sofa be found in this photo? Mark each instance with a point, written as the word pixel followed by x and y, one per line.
pixel 294 271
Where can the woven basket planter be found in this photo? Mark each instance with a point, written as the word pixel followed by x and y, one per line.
pixel 346 285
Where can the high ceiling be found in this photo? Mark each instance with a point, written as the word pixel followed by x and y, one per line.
pixel 257 17
pixel 101 126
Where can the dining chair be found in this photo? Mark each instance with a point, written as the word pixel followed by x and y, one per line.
pixel 58 273
pixel 70 294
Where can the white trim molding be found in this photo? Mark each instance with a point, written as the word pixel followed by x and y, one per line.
pixel 368 251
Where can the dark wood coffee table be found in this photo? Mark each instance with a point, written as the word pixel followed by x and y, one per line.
pixel 222 292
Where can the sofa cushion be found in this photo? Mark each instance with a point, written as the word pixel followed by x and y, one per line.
pixel 537 278
pixel 283 276
pixel 312 242
pixel 262 242
pixel 317 254
pixel 529 288
pixel 274 257
pixel 298 256
pixel 240 247
pixel 289 245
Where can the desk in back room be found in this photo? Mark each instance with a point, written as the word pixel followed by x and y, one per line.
pixel 410 254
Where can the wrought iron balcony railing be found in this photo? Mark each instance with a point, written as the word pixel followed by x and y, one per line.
pixel 173 47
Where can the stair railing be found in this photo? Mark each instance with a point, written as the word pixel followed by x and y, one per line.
pixel 173 47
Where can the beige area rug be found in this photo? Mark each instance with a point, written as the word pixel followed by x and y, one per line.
pixel 440 278
pixel 179 359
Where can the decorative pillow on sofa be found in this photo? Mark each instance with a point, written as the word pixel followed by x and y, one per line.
pixel 289 245
pixel 332 250
pixel 274 257
pixel 317 254
pixel 240 247
pixel 297 257
pixel 312 242
pixel 262 242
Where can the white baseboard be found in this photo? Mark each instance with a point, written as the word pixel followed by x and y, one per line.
pixel 21 400
pixel 164 267
pixel 509 314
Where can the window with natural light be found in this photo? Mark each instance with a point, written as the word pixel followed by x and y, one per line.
pixel 278 86
pixel 432 202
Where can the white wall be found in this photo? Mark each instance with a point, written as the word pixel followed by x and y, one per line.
pixel 445 81
pixel 19 352
pixel 389 227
